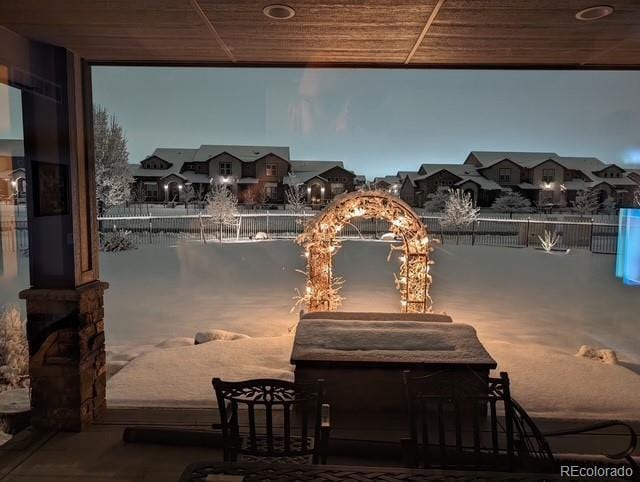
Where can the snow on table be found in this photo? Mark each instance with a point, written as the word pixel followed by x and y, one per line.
pixel 374 341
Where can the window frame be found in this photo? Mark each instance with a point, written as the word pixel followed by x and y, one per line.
pixel 502 177
pixel 225 169
pixel 545 177
pixel 271 169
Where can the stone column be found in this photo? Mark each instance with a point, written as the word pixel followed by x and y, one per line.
pixel 65 326
pixel 67 356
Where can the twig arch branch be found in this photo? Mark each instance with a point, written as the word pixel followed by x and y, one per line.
pixel 320 240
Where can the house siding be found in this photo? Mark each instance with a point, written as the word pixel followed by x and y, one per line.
pixel 282 169
pixel 441 179
pixel 236 169
pixel 493 173
pixel 554 192
pixel 408 193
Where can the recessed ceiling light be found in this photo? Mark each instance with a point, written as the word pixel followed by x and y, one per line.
pixel 594 13
pixel 279 12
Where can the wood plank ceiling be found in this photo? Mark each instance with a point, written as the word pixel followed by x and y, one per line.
pixel 508 33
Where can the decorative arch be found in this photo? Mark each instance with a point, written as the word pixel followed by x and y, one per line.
pixel 320 240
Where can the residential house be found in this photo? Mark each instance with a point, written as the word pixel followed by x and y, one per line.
pixel 549 179
pixel 321 180
pixel 546 178
pixel 13 184
pixel 387 183
pixel 255 174
pixel 634 174
pixel 431 178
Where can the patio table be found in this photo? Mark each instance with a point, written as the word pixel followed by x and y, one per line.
pixel 291 472
pixel 362 356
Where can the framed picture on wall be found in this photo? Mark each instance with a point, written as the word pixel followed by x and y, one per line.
pixel 51 193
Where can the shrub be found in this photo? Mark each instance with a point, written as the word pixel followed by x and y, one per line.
pixel 116 240
pixel 14 351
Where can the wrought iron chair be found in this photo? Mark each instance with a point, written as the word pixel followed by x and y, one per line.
pixel 470 429
pixel 300 436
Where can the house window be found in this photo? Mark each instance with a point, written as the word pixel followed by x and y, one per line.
pixel 337 188
pixel 272 170
pixel 225 169
pixel 548 175
pixel 505 174
pixel 271 192
pixel 150 190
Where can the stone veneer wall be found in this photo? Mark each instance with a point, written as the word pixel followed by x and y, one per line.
pixel 67 356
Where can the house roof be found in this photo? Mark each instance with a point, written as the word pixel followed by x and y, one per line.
pixel 483 182
pixel 459 170
pixel 196 177
pixel 303 177
pixel 388 179
pixel 244 153
pixel 489 158
pixel 247 180
pixel 314 166
pixel 7 173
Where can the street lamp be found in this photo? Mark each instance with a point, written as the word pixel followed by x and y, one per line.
pixel 166 192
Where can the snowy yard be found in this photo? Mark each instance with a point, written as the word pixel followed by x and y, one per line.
pixel 532 311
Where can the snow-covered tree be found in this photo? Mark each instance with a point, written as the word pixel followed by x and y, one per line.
pixel 608 206
pixel 113 176
pixel 459 211
pixel 222 206
pixel 14 351
pixel 636 197
pixel 586 202
pixel 436 201
pixel 511 202
pixel 296 194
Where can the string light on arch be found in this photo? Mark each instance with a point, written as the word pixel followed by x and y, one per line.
pixel 320 242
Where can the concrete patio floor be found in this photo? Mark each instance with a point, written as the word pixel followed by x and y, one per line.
pixel 101 454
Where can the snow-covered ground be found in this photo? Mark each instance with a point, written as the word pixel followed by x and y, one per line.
pixel 531 310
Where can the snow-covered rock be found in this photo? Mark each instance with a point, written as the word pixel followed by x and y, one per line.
pixel 114 366
pixel 603 355
pixel 15 410
pixel 175 342
pixel 388 237
pixel 218 335
pixel 261 236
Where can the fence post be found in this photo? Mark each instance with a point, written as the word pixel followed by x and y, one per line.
pixel 473 232
pixel 526 238
pixel 150 231
pixel 267 223
pixel 591 236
